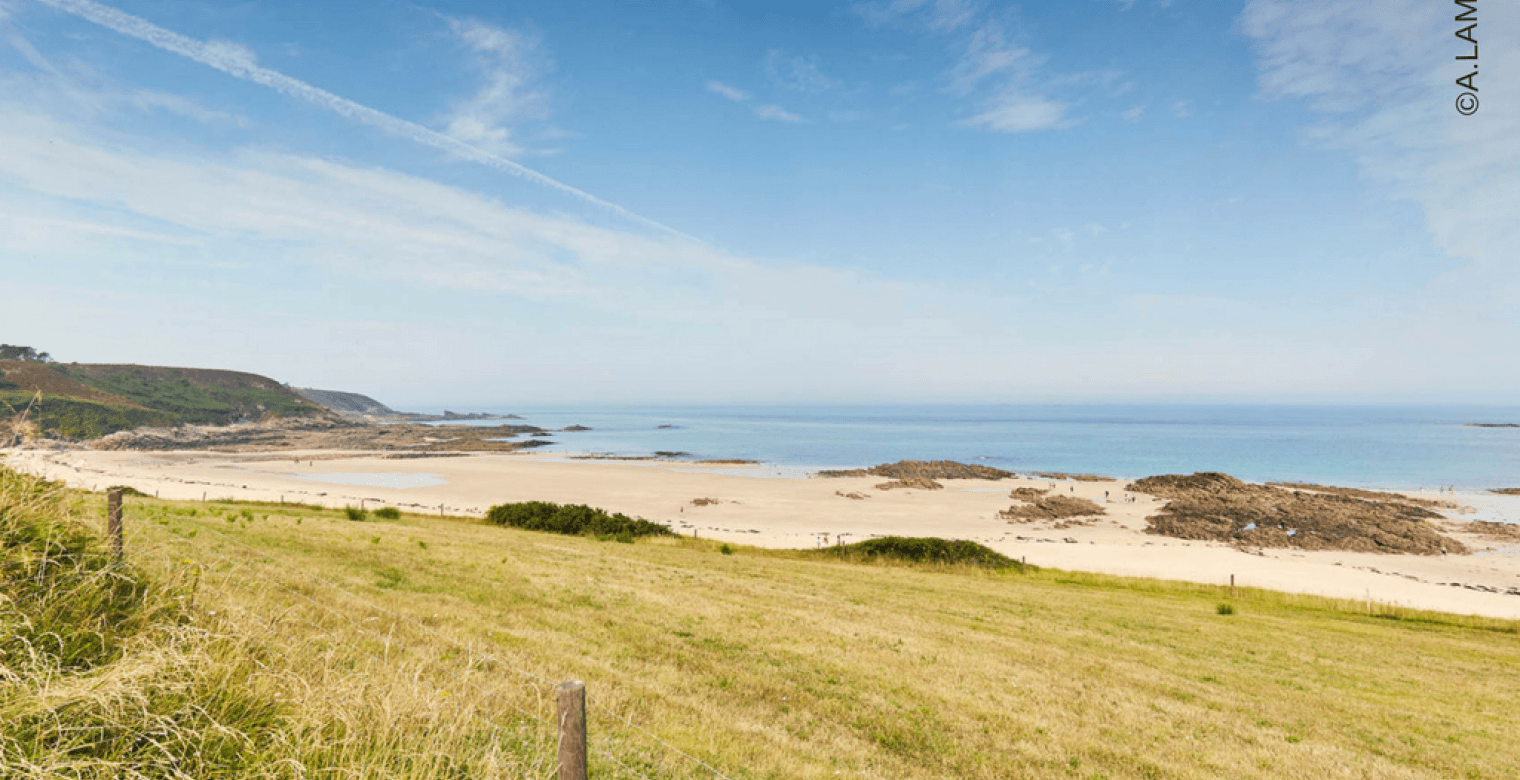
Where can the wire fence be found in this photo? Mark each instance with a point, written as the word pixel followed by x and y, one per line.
pixel 471 652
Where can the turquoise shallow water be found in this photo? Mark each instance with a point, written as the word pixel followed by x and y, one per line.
pixel 1395 447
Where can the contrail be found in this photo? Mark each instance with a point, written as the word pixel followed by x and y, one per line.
pixel 230 61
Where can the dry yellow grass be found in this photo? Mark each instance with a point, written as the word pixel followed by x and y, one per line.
pixel 769 665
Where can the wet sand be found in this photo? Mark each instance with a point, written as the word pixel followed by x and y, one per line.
pixel 753 506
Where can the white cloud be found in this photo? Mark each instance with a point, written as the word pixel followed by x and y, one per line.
pixel 1380 76
pixel 507 63
pixel 236 64
pixel 235 55
pixel 1019 112
pixel 986 54
pixel 83 92
pixel 797 72
pixel 1134 114
pixel 732 93
pixel 1182 108
pixel 1009 77
pixel 776 113
pixel 935 14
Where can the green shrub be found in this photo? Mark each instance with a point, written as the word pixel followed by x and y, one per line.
pixel 1225 609
pixel 926 549
pixel 726 549
pixel 355 513
pixel 388 513
pixel 572 519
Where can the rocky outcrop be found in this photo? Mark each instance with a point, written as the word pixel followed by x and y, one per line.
pixel 1219 507
pixel 925 469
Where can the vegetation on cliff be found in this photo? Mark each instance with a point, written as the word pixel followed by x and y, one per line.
pixel 78 401
pixel 196 395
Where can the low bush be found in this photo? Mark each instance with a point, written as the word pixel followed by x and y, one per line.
pixel 388 513
pixel 572 519
pixel 355 513
pixel 924 549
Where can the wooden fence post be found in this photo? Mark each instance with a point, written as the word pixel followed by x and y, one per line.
pixel 1232 586
pixel 113 522
pixel 572 730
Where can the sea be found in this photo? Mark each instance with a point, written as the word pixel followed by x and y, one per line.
pixel 1390 447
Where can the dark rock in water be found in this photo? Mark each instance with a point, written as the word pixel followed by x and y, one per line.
pixel 1074 477
pixel 1219 507
pixel 575 428
pixel 925 469
pixel 663 427
pixel 448 415
pixel 1493 425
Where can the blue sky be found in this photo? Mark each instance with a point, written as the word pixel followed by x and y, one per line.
pixel 710 201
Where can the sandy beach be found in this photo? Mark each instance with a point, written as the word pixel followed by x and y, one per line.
pixel 769 507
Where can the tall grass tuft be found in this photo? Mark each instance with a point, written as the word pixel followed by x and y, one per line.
pixel 102 673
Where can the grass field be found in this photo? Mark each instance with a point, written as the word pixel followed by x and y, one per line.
pixel 397 649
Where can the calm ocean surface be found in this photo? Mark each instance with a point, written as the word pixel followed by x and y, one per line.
pixel 1393 447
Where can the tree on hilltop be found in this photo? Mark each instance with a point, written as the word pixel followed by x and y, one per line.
pixel 26 354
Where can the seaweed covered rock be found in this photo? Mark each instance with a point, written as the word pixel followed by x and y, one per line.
pixel 923 469
pixel 1217 507
pixel 920 483
pixel 1055 507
